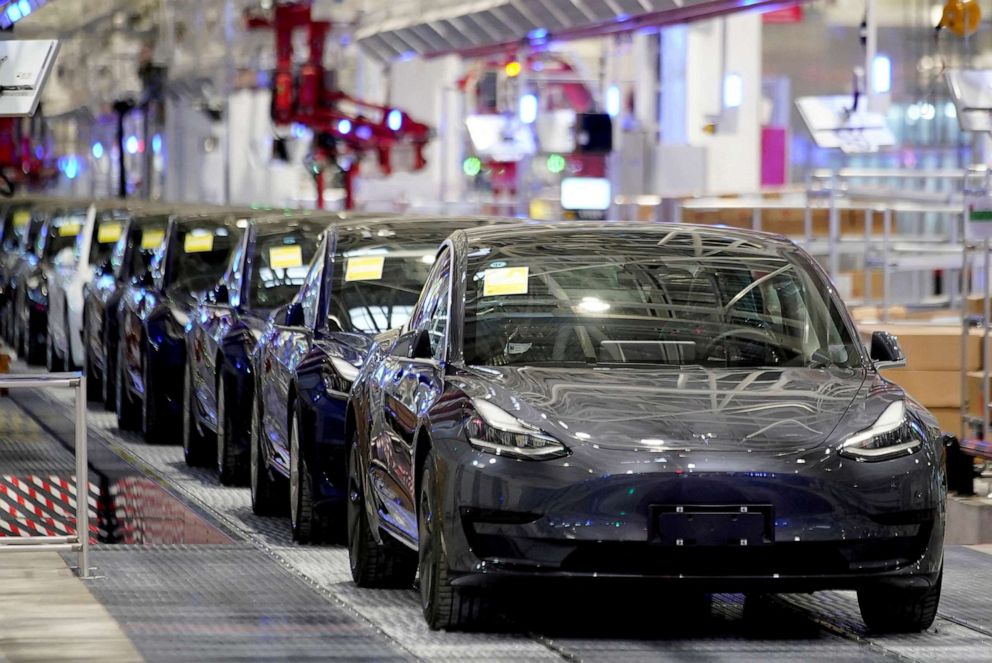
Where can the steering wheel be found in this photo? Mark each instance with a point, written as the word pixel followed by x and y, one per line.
pixel 760 336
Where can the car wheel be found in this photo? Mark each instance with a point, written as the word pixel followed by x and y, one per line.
pixel 373 564
pixel 34 348
pixel 151 425
pixel 263 489
pixel 308 526
pixel 94 382
pixel 230 469
pixel 888 609
pixel 445 606
pixel 128 414
pixel 53 362
pixel 109 373
pixel 194 443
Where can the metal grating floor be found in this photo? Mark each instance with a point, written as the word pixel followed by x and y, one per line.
pixel 822 627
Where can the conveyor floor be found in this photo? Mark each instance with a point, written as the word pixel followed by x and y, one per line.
pixel 236 587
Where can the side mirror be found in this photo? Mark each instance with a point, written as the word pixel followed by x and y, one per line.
pixel 144 280
pixel 885 351
pixel 420 345
pixel 221 295
pixel 294 315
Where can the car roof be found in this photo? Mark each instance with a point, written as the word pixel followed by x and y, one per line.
pixel 535 229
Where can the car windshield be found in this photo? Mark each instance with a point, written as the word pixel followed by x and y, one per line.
pixel 280 265
pixel 199 254
pixel 62 233
pixel 133 254
pixel 377 287
pixel 636 298
pixel 107 230
pixel 18 220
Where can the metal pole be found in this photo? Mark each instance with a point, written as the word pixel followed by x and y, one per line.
pixel 869 295
pixel 82 482
pixel 808 221
pixel 965 333
pixel 886 236
pixel 756 219
pixel 833 234
pixel 871 47
pixel 986 347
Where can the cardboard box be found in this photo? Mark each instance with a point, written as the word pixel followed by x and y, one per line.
pixel 931 347
pixel 934 389
pixel 949 419
pixel 858 284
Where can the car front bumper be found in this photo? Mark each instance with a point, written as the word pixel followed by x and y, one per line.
pixel 825 521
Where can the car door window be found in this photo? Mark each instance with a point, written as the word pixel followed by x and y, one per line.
pixel 310 294
pixel 431 314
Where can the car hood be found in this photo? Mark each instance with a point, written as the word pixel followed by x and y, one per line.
pixel 692 408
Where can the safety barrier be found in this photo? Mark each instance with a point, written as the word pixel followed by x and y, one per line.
pixel 78 542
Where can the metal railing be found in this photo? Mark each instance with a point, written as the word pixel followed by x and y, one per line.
pixel 80 542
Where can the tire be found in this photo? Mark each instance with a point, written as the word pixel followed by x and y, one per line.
pixel 128 414
pixel 34 349
pixel 109 372
pixel 94 382
pixel 151 422
pixel 373 564
pixel 899 609
pixel 53 362
pixel 195 448
pixel 263 488
pixel 230 466
pixel 307 524
pixel 445 606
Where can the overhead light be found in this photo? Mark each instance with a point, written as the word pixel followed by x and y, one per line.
pixel 97 150
pixel 881 74
pixel 131 145
pixel 157 143
pixel 394 120
pixel 344 127
pixel 513 69
pixel 364 132
pixel 593 305
pixel 613 100
pixel 538 34
pixel 528 108
pixel 733 90
pixel 25 7
pixel 472 166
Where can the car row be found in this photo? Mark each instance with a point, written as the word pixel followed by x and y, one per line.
pixel 475 403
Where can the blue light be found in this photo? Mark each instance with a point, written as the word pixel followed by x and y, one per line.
pixel 733 91
pixel 364 132
pixel 13 13
pixel 131 145
pixel 157 143
pixel 528 109
pixel 344 127
pixel 299 130
pixel 394 120
pixel 538 34
pixel 408 55
pixel 25 7
pixel 97 150
pixel 71 169
pixel 623 18
pixel 881 74
pixel 613 100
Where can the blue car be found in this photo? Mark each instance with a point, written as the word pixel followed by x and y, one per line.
pixel 365 280
pixel 265 273
pixel 154 317
pixel 131 257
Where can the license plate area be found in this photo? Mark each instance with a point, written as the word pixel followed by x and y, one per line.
pixel 691 525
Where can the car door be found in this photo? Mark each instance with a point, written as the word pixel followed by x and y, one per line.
pixel 213 319
pixel 408 387
pixel 280 360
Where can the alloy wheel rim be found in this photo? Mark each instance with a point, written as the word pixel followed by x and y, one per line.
pixel 355 507
pixel 294 475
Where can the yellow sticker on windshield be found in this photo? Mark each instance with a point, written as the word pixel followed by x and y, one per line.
pixel 505 281
pixel 69 230
pixel 22 218
pixel 285 257
pixel 152 238
pixel 199 242
pixel 365 268
pixel 109 232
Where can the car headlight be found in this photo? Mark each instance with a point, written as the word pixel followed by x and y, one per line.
pixel 893 434
pixel 493 430
pixel 339 376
